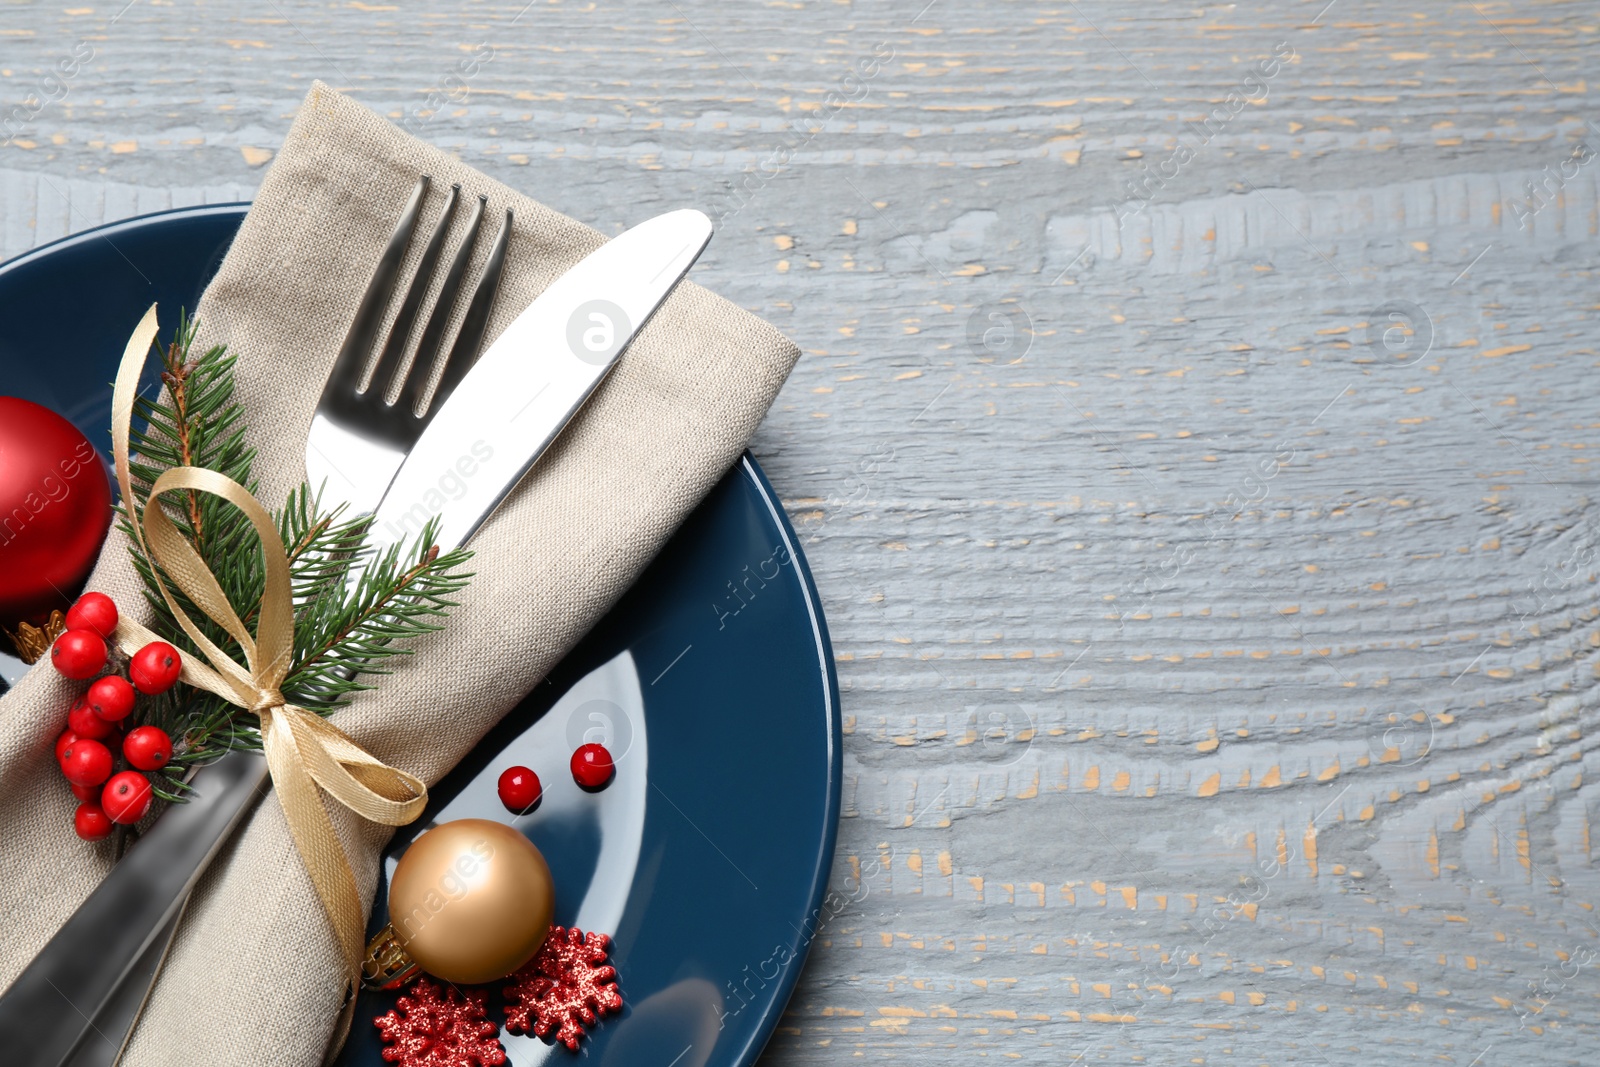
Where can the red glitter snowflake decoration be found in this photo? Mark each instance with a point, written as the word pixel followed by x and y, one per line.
pixel 563 988
pixel 434 1028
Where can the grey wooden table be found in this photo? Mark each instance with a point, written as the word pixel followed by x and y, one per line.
pixel 1193 446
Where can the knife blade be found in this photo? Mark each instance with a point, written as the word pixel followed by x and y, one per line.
pixel 515 401
pixel 525 389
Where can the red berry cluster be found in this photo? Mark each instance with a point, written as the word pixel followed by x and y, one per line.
pixel 95 722
pixel 592 768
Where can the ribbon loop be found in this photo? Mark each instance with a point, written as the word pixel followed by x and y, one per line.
pixel 304 751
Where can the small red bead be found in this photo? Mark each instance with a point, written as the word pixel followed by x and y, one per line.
pixel 86 762
pixel 592 766
pixel 519 789
pixel 62 742
pixel 79 654
pixel 155 667
pixel 148 748
pixel 126 797
pixel 94 611
pixel 91 822
pixel 82 721
pixel 111 698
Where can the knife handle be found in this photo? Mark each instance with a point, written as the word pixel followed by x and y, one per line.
pixel 47 1011
pixel 107 1039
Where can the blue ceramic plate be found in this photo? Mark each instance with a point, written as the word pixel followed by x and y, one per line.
pixel 711 682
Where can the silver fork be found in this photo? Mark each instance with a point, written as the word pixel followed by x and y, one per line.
pixel 358 439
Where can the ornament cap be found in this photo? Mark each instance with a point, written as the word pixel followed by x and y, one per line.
pixel 32 642
pixel 388 965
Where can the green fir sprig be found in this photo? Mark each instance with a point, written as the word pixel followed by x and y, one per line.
pixel 340 633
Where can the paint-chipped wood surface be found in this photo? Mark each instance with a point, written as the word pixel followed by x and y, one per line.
pixel 1200 490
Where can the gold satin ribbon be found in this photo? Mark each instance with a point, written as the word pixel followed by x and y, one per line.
pixel 303 749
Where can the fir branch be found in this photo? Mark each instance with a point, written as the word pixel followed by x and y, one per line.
pixel 348 622
pixel 176 376
pixel 341 635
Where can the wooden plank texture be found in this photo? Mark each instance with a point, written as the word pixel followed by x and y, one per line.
pixel 1192 444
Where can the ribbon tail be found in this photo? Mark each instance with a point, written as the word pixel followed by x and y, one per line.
pixel 341 1026
pixel 352 776
pixel 314 836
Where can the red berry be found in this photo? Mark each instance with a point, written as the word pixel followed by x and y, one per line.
pixel 82 721
pixel 111 698
pixel 155 667
pixel 94 611
pixel 592 766
pixel 66 738
pixel 148 748
pixel 519 789
pixel 127 797
pixel 91 822
pixel 86 762
pixel 85 792
pixel 79 654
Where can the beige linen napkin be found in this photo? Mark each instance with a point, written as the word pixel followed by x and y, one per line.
pixel 255 976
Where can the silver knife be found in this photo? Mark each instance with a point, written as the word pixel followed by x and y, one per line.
pixel 512 404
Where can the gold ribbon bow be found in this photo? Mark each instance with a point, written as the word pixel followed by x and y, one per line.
pixel 303 749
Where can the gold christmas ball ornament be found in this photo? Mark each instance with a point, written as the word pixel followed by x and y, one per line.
pixel 470 902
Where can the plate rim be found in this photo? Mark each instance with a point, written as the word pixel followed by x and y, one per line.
pixel 106 230
pixel 830 680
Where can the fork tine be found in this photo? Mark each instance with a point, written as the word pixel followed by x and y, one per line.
pixel 345 377
pixel 464 353
pixel 428 348
pixel 406 317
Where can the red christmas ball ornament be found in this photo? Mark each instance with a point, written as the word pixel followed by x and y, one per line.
pixel 94 611
pixel 111 698
pixel 83 721
pixel 55 508
pixel 62 742
pixel 592 766
pixel 148 748
pixel 155 667
pixel 86 762
pixel 79 654
pixel 126 797
pixel 91 822
pixel 519 789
